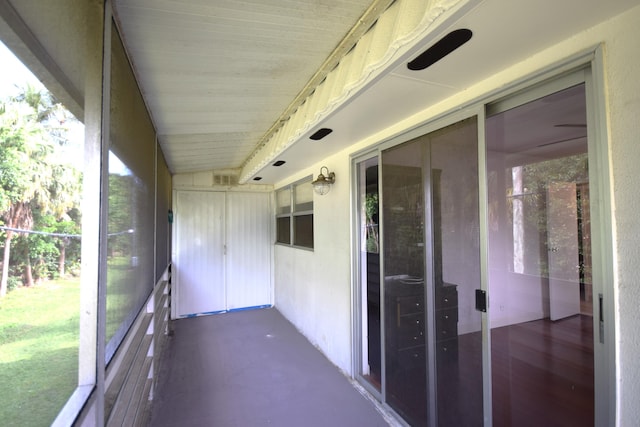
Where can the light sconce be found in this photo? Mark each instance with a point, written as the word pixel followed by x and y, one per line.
pixel 322 184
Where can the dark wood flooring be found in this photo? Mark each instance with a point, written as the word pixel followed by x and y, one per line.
pixel 542 376
pixel 543 373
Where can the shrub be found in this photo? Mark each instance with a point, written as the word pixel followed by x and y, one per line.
pixel 13 282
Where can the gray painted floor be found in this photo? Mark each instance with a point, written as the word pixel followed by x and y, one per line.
pixel 252 368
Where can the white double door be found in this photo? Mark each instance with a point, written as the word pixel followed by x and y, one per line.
pixel 222 258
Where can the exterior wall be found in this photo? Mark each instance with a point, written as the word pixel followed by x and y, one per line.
pixel 622 62
pixel 313 288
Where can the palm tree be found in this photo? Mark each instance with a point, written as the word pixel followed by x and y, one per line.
pixel 45 106
pixel 25 176
pixel 64 192
pixel 31 124
pixel 17 138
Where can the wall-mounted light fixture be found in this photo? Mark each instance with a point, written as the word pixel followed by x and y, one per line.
pixel 322 184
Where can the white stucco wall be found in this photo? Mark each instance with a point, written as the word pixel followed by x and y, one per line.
pixel 313 288
pixel 622 61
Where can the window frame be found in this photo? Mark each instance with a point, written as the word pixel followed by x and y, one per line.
pixel 292 214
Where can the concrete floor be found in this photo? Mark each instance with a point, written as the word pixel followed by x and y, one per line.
pixel 252 368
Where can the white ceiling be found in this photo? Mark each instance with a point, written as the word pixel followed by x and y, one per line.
pixel 217 74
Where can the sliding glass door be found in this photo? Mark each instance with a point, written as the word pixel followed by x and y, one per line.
pixel 540 268
pixel 479 297
pixel 369 346
pixel 421 344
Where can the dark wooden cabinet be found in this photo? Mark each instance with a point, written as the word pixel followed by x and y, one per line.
pixel 405 338
pixel 405 313
pixel 409 315
pixel 406 326
pixel 446 324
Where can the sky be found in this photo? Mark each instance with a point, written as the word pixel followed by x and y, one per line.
pixel 13 76
pixel 13 73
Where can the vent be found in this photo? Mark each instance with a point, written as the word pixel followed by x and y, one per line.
pixel 257 178
pixel 440 49
pixel 225 180
pixel 279 163
pixel 320 133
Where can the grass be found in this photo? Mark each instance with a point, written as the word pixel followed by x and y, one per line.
pixel 39 338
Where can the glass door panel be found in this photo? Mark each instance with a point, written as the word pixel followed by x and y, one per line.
pixel 404 281
pixel 433 338
pixel 456 265
pixel 370 298
pixel 541 308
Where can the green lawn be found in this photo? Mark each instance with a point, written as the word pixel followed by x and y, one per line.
pixel 39 336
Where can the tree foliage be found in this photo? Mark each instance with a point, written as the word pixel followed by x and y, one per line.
pixel 37 190
pixel 533 196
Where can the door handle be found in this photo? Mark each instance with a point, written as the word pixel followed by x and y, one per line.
pixel 481 300
pixel 601 318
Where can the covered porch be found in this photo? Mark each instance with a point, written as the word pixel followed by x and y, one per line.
pixel 183 109
pixel 253 368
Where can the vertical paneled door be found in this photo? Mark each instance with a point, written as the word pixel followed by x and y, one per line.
pixel 222 257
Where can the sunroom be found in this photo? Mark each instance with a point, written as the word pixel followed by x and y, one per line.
pixel 439 195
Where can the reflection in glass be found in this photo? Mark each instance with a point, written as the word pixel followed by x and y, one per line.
pixel 433 338
pixel 456 237
pixel 131 205
pixel 540 263
pixel 303 230
pixel 283 201
pixel 303 197
pixel 125 246
pixel 368 202
pixel 404 284
pixel 303 214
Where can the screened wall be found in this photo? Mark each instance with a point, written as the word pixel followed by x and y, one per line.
pixel 163 205
pixel 130 224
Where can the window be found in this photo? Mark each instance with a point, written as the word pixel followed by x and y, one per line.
pixel 41 163
pixel 131 203
pixel 294 214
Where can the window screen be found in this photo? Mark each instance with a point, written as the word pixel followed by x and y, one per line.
pixel 130 229
pixel 295 226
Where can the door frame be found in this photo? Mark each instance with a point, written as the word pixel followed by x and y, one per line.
pixel 477 111
pixel 591 62
pixel 179 287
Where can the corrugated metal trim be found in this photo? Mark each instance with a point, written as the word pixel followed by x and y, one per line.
pixel 363 25
pixel 399 24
